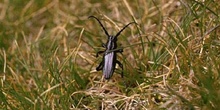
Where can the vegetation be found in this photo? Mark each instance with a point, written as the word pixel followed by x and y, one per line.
pixel 171 57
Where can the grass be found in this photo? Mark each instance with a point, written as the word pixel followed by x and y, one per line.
pixel 171 58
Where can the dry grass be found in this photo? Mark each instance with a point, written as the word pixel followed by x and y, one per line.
pixel 171 58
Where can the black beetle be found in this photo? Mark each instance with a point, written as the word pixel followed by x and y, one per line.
pixel 110 58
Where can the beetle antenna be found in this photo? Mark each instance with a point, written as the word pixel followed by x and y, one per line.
pixel 123 29
pixel 100 24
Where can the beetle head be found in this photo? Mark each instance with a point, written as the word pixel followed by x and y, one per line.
pixel 111 43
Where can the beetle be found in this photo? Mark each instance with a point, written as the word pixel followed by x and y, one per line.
pixel 109 60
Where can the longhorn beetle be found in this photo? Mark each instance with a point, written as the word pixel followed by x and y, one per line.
pixel 109 60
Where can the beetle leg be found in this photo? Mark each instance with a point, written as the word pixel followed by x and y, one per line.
pixel 104 45
pixel 119 63
pixel 119 50
pixel 100 66
pixel 99 52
